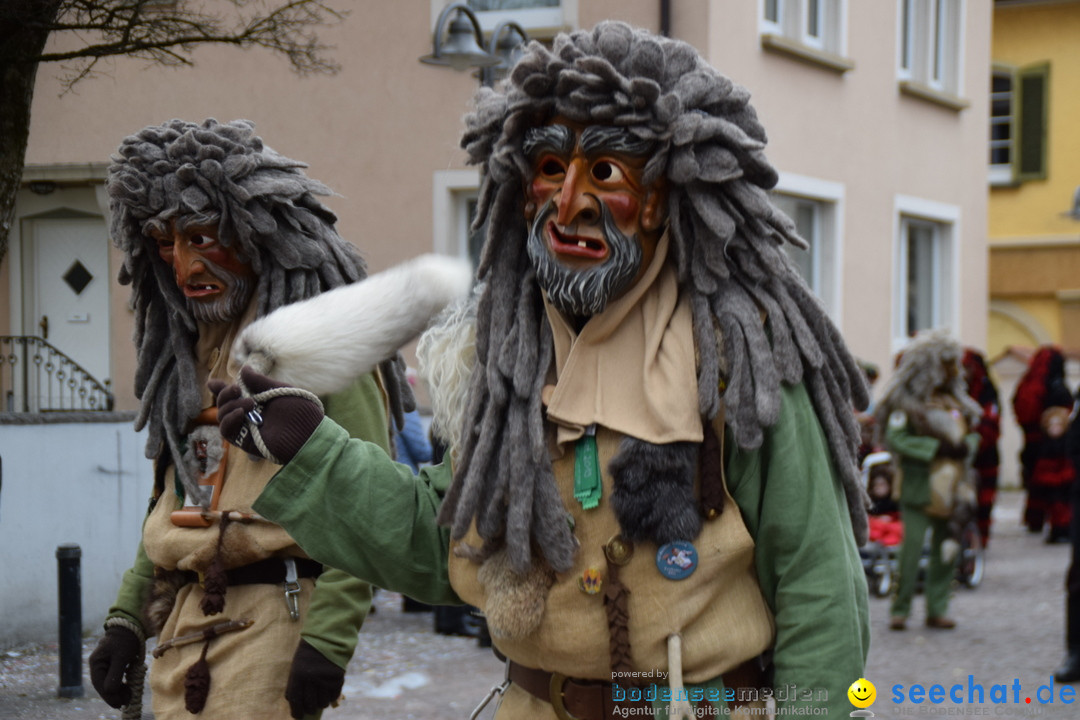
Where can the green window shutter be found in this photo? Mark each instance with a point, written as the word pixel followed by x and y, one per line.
pixel 1032 90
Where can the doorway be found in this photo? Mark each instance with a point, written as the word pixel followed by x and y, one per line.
pixel 65 271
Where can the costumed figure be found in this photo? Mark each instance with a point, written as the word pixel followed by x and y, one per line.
pixel 1069 671
pixel 928 418
pixel 982 390
pixel 649 413
pixel 218 229
pixel 1043 405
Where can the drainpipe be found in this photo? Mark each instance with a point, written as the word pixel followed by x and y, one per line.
pixel 665 18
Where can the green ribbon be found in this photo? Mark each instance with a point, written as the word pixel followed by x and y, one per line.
pixel 587 485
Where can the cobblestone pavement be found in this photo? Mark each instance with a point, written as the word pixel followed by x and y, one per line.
pixel 1010 631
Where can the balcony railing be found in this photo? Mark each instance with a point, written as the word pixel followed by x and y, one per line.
pixel 36 377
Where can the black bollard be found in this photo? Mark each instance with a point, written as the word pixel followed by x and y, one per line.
pixel 69 577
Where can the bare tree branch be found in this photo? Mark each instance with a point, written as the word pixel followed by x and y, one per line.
pixel 159 31
pixel 165 32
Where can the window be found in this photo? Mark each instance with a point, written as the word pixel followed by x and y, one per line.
pixel 1001 127
pixel 931 46
pixel 812 25
pixel 540 18
pixel 925 284
pixel 454 207
pixel 813 205
pixel 1018 123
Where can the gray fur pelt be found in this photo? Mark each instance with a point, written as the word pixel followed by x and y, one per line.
pixel 263 205
pixel 653 497
pixel 727 245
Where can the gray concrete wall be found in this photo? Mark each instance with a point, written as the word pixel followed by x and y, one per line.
pixel 66 479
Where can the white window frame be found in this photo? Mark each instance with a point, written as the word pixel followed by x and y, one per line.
pixel 1002 173
pixel 827 249
pixel 792 24
pixel 930 46
pixel 945 220
pixel 540 23
pixel 452 190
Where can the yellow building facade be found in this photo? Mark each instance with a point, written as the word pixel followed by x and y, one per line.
pixel 1034 203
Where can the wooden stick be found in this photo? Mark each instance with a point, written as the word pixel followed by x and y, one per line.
pixel 679 708
pixel 197 517
pixel 204 634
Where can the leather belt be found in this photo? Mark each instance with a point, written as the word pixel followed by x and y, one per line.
pixel 270 571
pixel 574 699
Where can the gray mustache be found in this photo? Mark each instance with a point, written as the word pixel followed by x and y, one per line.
pixel 584 292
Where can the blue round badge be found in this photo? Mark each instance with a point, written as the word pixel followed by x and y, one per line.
pixel 676 560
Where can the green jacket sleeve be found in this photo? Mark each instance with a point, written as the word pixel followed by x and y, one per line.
pixel 904 443
pixel 352 507
pixel 134 589
pixel 341 602
pixel 805 555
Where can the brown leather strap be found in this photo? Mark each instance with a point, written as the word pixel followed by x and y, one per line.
pixel 270 571
pixel 751 675
pixel 595 699
pixel 576 699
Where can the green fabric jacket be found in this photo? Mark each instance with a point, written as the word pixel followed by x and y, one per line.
pixel 347 504
pixel 340 601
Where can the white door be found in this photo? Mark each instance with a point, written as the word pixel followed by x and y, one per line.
pixel 67 296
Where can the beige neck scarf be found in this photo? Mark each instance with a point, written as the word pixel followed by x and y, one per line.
pixel 632 367
pixel 213 350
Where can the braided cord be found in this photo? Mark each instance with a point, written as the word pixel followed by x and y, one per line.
pixel 136 674
pixel 254 417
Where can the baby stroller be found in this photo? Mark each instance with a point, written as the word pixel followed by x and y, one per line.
pixel 880 556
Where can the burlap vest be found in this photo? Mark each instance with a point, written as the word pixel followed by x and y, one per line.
pixel 719 609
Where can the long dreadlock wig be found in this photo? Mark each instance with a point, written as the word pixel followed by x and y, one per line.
pixel 263 205
pixel 924 370
pixel 727 242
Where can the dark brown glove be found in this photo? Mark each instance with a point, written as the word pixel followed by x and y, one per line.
pixel 314 681
pixel 959 451
pixel 285 423
pixel 111 660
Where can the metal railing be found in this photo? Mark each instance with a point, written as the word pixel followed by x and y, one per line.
pixel 36 377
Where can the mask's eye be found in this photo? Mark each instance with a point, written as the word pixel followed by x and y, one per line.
pixel 607 172
pixel 201 241
pixel 551 167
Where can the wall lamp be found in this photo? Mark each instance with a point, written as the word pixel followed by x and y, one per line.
pixel 463 47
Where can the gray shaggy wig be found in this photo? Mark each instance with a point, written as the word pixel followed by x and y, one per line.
pixel 727 242
pixel 922 371
pixel 264 206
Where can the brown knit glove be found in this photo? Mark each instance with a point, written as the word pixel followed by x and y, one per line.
pixel 314 681
pixel 285 422
pixel 111 660
pixel 959 451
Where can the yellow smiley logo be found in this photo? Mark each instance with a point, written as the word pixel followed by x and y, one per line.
pixel 862 693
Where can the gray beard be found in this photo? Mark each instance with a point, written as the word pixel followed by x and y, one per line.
pixel 584 293
pixel 229 306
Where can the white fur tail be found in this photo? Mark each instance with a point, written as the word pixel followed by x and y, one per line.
pixel 323 344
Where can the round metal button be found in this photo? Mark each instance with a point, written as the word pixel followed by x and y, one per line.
pixel 619 550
